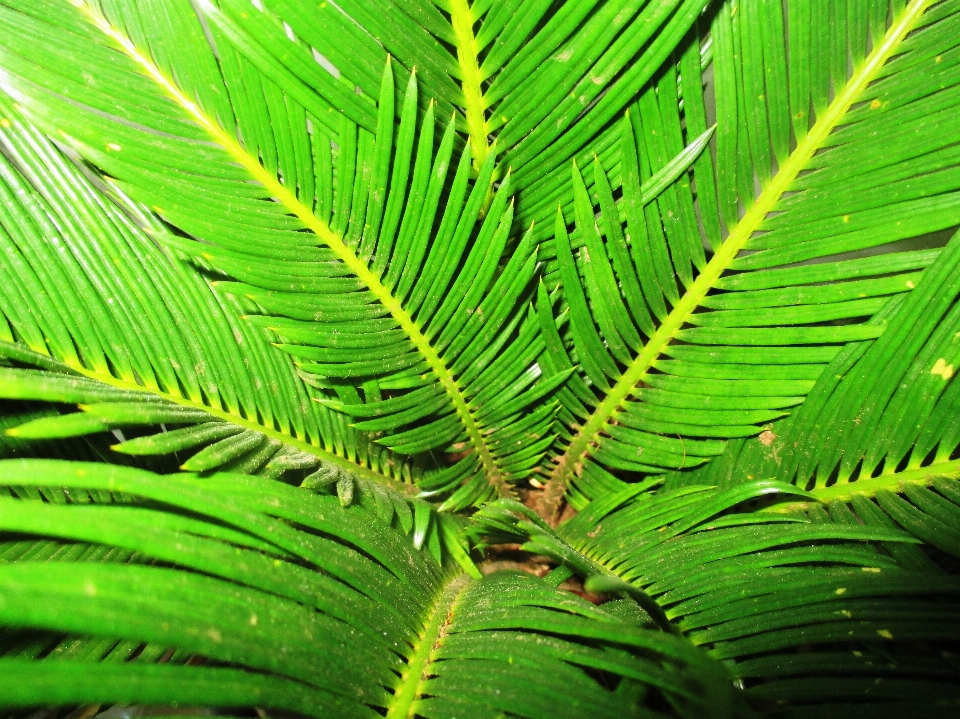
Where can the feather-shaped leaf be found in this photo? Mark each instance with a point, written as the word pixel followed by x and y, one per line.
pixel 817 614
pixel 685 348
pixel 357 622
pixel 441 315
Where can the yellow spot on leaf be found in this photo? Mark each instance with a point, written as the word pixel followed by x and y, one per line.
pixel 90 589
pixel 872 570
pixel 847 613
pixel 940 367
pixel 874 105
pixel 885 633
pixel 113 146
pixel 214 635
pixel 841 590
pixel 846 218
pixel 253 620
pixel 910 284
pixel 5 122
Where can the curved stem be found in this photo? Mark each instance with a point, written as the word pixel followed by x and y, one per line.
pixel 577 452
pixel 323 231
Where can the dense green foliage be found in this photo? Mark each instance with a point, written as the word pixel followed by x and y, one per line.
pixel 320 322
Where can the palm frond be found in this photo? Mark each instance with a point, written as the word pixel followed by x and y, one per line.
pixel 818 614
pixel 546 84
pixel 124 318
pixel 880 422
pixel 357 620
pixel 681 348
pixel 358 264
pixel 225 445
pixel 882 413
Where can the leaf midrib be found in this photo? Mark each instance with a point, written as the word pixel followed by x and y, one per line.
pixel 461 18
pixel 577 451
pixel 417 672
pixel 346 255
pixel 869 487
pixel 303 446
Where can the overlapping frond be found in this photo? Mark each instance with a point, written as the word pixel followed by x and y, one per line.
pixel 365 268
pixel 544 81
pixel 710 328
pixel 817 614
pixel 161 428
pixel 286 600
pixel 879 430
pixel 13 414
pixel 82 283
pixel 883 413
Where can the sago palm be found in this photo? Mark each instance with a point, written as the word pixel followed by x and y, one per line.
pixel 349 348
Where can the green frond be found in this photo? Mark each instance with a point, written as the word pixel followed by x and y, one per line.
pixel 216 444
pixel 443 317
pixel 881 414
pixel 14 414
pixel 137 322
pixel 816 614
pixel 545 82
pixel 356 620
pixel 694 331
pixel 879 423
pixel 654 300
